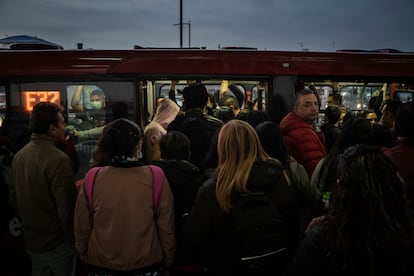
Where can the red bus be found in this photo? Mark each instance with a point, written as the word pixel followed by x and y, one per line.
pixel 137 77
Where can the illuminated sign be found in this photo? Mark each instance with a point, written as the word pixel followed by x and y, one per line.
pixel 30 98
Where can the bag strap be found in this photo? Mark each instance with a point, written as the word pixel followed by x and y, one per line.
pixel 157 180
pixel 89 183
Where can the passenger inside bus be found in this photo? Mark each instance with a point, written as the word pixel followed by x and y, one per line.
pixel 229 97
pixel 90 112
pixel 371 116
pixel 336 99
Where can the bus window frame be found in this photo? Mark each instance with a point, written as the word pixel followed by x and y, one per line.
pixel 212 85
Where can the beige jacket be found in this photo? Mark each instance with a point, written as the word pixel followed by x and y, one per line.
pixel 124 233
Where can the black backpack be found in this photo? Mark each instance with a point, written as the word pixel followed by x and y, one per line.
pixel 258 236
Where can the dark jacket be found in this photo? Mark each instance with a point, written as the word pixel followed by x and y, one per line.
pixel 44 190
pixel 403 157
pixel 207 224
pixel 199 128
pixel 330 133
pixel 185 179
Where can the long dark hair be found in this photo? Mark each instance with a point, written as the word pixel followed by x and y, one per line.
pixel 355 131
pixel 369 221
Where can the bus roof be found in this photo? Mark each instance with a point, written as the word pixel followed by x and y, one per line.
pixel 202 62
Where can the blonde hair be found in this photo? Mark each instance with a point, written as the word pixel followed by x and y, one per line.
pixel 238 147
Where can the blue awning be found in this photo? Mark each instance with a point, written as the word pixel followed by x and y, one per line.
pixel 28 40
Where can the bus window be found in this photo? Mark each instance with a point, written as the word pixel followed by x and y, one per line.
pixel 120 101
pixel 90 107
pixel 324 91
pixel 248 89
pixel 404 95
pixel 356 96
pixel 86 106
pixel 165 89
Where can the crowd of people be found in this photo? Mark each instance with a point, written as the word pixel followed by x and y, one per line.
pixel 343 193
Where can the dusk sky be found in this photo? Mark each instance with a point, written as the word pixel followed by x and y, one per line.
pixel 317 25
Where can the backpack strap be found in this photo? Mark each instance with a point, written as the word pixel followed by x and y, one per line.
pixel 89 183
pixel 157 180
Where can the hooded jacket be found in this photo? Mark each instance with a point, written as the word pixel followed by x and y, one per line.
pixel 303 142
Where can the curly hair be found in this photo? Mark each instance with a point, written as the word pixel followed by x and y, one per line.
pixel 369 220
pixel 355 131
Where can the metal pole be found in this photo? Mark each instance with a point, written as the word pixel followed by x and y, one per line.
pixel 189 34
pixel 181 23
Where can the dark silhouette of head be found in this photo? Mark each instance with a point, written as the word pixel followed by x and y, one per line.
pixel 404 120
pixel 175 146
pixel 195 96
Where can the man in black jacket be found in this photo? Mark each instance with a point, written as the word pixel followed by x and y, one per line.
pixel 195 123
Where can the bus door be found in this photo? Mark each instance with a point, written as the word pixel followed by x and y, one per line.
pixel 3 103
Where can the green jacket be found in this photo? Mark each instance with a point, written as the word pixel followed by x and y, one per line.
pixel 44 193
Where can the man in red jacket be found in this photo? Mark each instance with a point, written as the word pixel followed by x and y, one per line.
pixel 304 143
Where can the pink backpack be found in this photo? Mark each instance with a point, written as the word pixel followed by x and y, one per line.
pixel 157 177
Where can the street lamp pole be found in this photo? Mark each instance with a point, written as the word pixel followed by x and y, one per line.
pixel 181 23
pixel 181 27
pixel 189 33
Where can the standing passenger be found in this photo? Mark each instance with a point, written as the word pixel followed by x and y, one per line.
pixel 303 141
pixel 166 112
pixel 185 179
pixel 44 194
pixel 121 230
pixel 403 153
pixel 355 131
pixel 310 204
pixel 368 230
pixel 195 123
pixel 330 128
pixel 388 113
pixel 242 168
